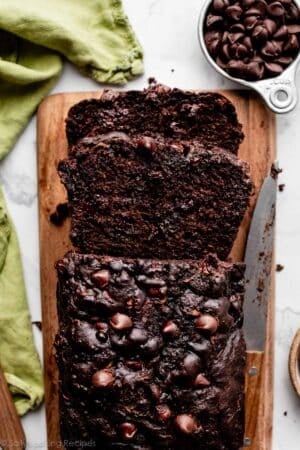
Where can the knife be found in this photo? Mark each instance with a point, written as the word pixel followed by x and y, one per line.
pixel 259 262
pixel 11 432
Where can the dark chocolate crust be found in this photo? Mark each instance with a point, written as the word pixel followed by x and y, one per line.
pixel 141 198
pixel 150 353
pixel 159 111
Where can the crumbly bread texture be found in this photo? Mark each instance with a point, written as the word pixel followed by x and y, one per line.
pixel 144 198
pixel 150 353
pixel 159 111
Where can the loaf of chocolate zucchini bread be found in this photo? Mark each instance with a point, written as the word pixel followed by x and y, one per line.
pixel 150 353
pixel 138 197
pixel 159 111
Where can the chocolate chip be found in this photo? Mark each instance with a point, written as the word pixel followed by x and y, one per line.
pixel 237 28
pixel 273 69
pixel 276 9
pixel 271 49
pixel 258 59
pixel 281 33
pixel 260 34
pixel 225 51
pixel 212 36
pixel 248 2
pixel 235 37
pixel 239 51
pixel 248 43
pixel 234 12
pixel 101 278
pixel 213 20
pixel 207 323
pixel 225 36
pixel 147 144
pixel 214 47
pixel 292 12
pixel 186 423
pixel 120 321
pixel 201 381
pixel 128 430
pixel 163 411
pixel 170 328
pixel 155 391
pixel 255 10
pixel 237 68
pixel 293 29
pixel 270 26
pixel 138 335
pixel 221 63
pixel 191 364
pixel 250 22
pixel 254 70
pixel 284 60
pixel 262 4
pixel 103 379
pixel 220 5
pixel 292 45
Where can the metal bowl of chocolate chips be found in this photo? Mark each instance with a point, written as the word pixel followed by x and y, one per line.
pixel 255 43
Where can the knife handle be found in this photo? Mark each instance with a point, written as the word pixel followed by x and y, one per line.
pixel 11 431
pixel 294 362
pixel 254 376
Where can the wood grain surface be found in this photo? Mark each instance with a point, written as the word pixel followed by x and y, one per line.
pixel 258 149
pixel 12 435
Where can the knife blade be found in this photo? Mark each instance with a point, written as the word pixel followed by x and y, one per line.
pixel 259 262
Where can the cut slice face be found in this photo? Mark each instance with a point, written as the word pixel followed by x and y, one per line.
pixel 159 111
pixel 144 198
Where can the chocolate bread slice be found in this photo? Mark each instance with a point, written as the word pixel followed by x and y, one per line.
pixel 144 198
pixel 150 353
pixel 159 111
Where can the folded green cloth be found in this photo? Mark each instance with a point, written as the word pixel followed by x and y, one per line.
pixel 95 35
pixel 18 356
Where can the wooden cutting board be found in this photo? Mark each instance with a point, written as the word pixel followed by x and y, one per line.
pixel 258 149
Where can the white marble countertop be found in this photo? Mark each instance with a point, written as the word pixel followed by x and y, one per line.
pixel 167 31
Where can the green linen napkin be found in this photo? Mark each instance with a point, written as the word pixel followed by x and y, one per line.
pixel 18 356
pixel 95 35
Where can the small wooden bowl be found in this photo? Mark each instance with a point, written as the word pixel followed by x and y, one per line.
pixel 294 362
